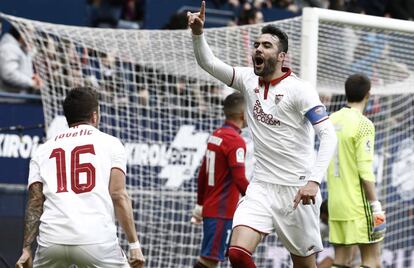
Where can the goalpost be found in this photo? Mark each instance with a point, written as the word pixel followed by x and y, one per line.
pixel 157 100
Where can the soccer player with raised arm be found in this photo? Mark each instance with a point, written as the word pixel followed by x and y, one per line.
pixel 355 214
pixel 282 113
pixel 221 180
pixel 76 190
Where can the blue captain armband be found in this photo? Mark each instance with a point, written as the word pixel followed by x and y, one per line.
pixel 316 115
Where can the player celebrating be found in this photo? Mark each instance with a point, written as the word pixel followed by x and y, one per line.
pixel 221 179
pixel 281 110
pixel 355 214
pixel 76 189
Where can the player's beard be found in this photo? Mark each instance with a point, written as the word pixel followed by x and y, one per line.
pixel 269 67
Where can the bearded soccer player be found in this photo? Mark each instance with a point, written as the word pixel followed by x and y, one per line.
pixel 221 180
pixel 355 214
pixel 282 113
pixel 76 190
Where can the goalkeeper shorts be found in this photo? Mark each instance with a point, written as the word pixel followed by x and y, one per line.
pixel 351 232
pixel 216 238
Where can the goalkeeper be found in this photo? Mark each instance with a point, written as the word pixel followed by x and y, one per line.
pixel 355 214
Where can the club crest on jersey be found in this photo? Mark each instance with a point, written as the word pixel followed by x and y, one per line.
pixel 256 90
pixel 278 98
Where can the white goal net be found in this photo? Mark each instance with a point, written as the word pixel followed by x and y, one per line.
pixel 157 100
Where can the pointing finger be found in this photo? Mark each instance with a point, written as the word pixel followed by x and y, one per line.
pixel 203 10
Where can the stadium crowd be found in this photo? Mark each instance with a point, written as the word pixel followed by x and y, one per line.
pixel 130 13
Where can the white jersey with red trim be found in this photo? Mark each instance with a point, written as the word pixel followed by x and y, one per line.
pixel 283 137
pixel 74 168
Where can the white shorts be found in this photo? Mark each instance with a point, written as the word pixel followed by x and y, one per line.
pixel 268 207
pixel 105 255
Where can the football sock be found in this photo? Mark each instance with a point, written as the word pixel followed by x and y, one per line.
pixel 240 257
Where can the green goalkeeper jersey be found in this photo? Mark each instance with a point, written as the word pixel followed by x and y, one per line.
pixel 351 163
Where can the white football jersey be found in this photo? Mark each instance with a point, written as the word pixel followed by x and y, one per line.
pixel 283 137
pixel 74 168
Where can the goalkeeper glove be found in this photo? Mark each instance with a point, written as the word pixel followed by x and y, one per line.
pixel 197 214
pixel 379 224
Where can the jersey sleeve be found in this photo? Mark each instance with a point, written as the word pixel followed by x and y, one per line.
pixel 201 182
pixel 34 172
pixel 236 152
pixel 118 157
pixel 236 156
pixel 239 76
pixel 307 99
pixel 364 149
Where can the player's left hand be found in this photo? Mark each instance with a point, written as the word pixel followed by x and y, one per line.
pixel 25 260
pixel 306 194
pixel 197 214
pixel 136 258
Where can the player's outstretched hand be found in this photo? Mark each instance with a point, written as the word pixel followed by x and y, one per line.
pixel 196 20
pixel 306 194
pixel 25 260
pixel 136 258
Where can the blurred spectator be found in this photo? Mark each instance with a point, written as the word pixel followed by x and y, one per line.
pixel 177 21
pixel 133 10
pixel 251 16
pixel 400 9
pixel 287 4
pixel 16 67
pixel 309 3
pixel 105 13
pixel 132 14
pixel 373 7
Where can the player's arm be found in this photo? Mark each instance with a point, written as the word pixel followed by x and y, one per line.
pixel 34 211
pixel 122 203
pixel 238 174
pixel 204 56
pixel 236 160
pixel 124 215
pixel 325 131
pixel 197 213
pixel 364 148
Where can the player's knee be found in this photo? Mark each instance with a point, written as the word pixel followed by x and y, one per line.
pixel 240 257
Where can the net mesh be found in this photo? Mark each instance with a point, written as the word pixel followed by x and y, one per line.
pixel 157 100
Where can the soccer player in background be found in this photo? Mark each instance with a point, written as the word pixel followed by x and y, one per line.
pixel 355 214
pixel 221 180
pixel 76 190
pixel 282 113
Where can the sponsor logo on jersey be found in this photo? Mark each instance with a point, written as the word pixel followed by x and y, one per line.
pixel 263 117
pixel 240 155
pixel 278 98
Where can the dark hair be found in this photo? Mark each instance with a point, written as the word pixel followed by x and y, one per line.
pixel 14 32
pixel 281 35
pixel 357 87
pixel 233 105
pixel 79 104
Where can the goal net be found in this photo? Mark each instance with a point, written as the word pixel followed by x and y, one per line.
pixel 157 100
